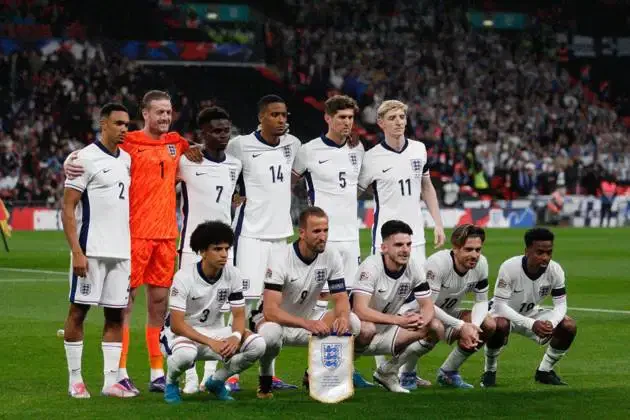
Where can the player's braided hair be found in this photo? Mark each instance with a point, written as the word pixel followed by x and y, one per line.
pixel 211 233
pixel 462 232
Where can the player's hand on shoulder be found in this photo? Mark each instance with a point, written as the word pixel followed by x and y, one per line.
pixel 542 329
pixel 194 154
pixel 79 264
pixel 341 326
pixel 71 167
pixel 237 200
pixel 317 327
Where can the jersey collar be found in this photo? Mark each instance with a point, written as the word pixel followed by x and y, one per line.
pixel 260 138
pixel 302 258
pixel 455 267
pixel 388 147
pixel 329 142
pixel 211 159
pixel 106 150
pixel 535 276
pixel 393 274
pixel 209 280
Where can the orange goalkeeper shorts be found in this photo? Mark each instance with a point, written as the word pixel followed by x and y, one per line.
pixel 152 262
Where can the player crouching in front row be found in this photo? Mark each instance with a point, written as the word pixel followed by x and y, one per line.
pixel 295 279
pixel 193 330
pixel 383 283
pixel 523 282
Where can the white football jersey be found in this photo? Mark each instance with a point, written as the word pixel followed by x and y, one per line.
pixel 388 290
pixel 396 178
pixel 201 298
pixel 332 174
pixel 448 287
pixel 521 292
pixel 301 281
pixel 103 213
pixel 267 184
pixel 207 189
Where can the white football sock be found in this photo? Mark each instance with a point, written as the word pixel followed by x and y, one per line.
pixel 191 375
pixel 111 357
pixel 379 360
pixel 551 357
pixel 156 373
pixel 492 356
pixel 455 359
pixel 122 374
pixel 74 352
pixel 408 358
pixel 179 361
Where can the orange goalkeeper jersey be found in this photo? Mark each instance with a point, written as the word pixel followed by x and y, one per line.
pixel 152 191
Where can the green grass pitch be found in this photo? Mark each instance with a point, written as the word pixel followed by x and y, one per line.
pixel 597 263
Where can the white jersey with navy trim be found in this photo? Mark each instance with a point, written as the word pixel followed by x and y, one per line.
pixel 448 286
pixel 201 298
pixel 523 293
pixel 332 175
pixel 301 281
pixel 102 215
pixel 396 179
pixel 207 189
pixel 388 290
pixel 266 177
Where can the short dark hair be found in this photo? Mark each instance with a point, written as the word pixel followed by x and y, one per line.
pixel 269 99
pixel 154 95
pixel 308 212
pixel 393 227
pixel 340 103
pixel 210 114
pixel 211 233
pixel 538 234
pixel 462 232
pixel 107 109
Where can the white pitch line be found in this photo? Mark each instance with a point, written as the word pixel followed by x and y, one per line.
pixel 27 270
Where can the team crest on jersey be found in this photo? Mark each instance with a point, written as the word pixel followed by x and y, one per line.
pixel 416 167
pixel 85 289
pixel 320 275
pixel 470 287
pixel 354 161
pixel 544 291
pixel 245 284
pixel 286 151
pixel 172 150
pixel 331 355
pixel 222 295
pixel 232 175
pixel 404 290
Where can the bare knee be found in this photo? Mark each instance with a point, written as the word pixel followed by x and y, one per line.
pixel 436 331
pixel 489 326
pixel 568 326
pixel 113 316
pixel 368 331
pixel 77 313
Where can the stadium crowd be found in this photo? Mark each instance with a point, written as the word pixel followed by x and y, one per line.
pixel 496 112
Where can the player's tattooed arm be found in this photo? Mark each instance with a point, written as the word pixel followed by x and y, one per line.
pixel 194 153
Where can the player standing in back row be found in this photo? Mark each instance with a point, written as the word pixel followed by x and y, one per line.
pixel 96 223
pixel 155 155
pixel 398 173
pixel 263 222
pixel 207 189
pixel 523 282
